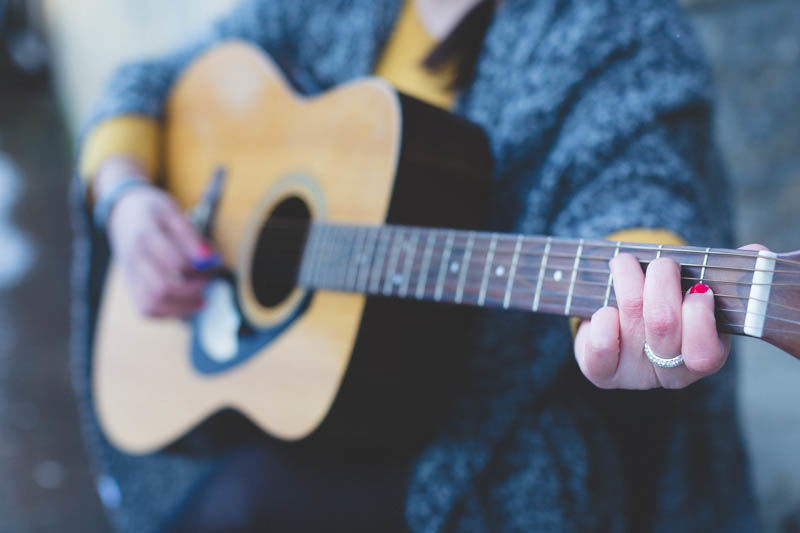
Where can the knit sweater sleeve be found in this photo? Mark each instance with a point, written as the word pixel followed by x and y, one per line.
pixel 132 102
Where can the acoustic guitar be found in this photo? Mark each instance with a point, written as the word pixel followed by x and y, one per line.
pixel 346 222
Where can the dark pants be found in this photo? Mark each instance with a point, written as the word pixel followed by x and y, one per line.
pixel 270 487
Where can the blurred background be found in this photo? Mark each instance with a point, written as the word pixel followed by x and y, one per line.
pixel 54 56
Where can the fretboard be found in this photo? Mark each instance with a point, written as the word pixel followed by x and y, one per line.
pixel 539 274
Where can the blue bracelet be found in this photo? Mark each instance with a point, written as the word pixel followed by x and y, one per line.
pixel 102 208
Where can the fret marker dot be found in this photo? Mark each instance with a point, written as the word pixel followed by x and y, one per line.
pixel 454 266
pixel 500 271
pixel 557 275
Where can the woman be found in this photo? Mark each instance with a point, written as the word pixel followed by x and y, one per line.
pixel 598 117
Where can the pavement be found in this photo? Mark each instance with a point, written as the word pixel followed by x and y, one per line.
pixel 45 480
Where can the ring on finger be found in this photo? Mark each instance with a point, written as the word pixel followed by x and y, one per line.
pixel 660 361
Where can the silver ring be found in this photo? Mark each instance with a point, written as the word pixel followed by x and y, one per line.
pixel 660 361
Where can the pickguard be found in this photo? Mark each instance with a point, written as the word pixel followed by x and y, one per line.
pixel 222 339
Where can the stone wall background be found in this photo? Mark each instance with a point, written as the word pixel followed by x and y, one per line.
pixel 45 485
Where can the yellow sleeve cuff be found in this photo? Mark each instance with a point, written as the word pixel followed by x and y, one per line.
pixel 642 235
pixel 137 137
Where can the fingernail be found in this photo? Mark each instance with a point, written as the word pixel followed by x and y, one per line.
pixel 204 249
pixel 700 288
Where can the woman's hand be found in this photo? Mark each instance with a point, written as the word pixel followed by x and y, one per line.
pixel 155 244
pixel 652 308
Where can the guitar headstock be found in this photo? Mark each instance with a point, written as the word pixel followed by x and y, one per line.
pixel 782 323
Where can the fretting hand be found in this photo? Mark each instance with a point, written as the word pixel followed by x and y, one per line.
pixel 609 348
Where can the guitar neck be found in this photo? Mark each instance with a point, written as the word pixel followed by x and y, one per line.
pixel 512 271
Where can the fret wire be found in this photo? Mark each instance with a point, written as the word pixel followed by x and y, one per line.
pixel 448 248
pixel 574 277
pixel 462 276
pixel 394 255
pixel 382 248
pixel 513 271
pixel 487 268
pixel 610 276
pixel 344 259
pixel 705 262
pixel 330 258
pixel 338 257
pixel 541 275
pixel 411 253
pixel 316 255
pixel 347 264
pixel 363 257
pixel 326 265
pixel 358 245
pixel 363 275
pixel 426 264
pixel 341 257
pixel 321 255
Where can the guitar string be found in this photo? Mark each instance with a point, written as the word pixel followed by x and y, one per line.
pixel 535 268
pixel 510 238
pixel 531 281
pixel 589 310
pixel 472 291
pixel 351 244
pixel 480 261
pixel 535 253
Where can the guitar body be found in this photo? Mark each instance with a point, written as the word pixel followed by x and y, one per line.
pixel 360 153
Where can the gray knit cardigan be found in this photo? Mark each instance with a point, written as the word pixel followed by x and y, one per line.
pixel 598 112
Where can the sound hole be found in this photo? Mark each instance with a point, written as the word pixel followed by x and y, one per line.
pixel 279 250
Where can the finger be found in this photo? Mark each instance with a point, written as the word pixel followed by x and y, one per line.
pixel 189 240
pixel 167 255
pixel 634 370
pixel 704 351
pixel 663 298
pixel 159 296
pixel 755 247
pixel 628 280
pixel 598 352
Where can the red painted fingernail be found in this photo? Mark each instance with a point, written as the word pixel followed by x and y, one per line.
pixel 700 288
pixel 204 250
